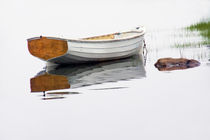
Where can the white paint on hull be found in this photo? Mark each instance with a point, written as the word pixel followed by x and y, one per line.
pixel 107 53
pixel 101 50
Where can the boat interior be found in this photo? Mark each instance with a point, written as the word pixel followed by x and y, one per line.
pixel 113 36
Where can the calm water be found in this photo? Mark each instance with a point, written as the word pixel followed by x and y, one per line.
pixel 125 99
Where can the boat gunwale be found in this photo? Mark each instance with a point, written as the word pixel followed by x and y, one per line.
pixel 81 40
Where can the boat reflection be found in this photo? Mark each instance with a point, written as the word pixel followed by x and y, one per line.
pixel 75 76
pixel 46 82
pixel 57 95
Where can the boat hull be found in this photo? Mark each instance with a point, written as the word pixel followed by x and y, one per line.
pixel 93 49
pixel 93 52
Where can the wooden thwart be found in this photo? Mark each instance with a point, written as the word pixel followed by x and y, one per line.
pixel 45 48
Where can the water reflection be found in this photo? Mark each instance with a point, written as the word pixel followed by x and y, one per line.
pixel 167 43
pixel 179 43
pixel 52 98
pixel 46 82
pixel 62 93
pixel 75 76
pixel 57 95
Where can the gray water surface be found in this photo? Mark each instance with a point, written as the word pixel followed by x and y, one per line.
pixel 127 99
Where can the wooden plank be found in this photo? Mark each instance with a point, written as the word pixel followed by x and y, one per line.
pixel 102 37
pixel 45 48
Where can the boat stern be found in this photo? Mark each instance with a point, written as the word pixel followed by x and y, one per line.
pixel 47 48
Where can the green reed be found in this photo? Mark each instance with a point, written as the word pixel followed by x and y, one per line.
pixel 203 27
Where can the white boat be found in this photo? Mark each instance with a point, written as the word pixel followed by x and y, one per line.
pixel 92 49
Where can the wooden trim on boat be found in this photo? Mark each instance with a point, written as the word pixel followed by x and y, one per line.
pixel 46 48
pixel 102 37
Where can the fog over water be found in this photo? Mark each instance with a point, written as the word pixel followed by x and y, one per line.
pixel 138 103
